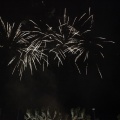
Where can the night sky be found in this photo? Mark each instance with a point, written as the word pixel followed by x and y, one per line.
pixel 64 87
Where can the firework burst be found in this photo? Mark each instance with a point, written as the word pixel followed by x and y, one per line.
pixel 87 46
pixel 28 57
pixel 70 36
pixel 14 41
pixel 73 38
pixel 61 37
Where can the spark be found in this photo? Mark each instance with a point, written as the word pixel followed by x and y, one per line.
pixel 86 69
pixel 78 68
pixel 99 71
pixel 99 45
pixel 82 16
pixel 102 54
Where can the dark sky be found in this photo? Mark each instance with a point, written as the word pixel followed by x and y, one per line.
pixel 64 87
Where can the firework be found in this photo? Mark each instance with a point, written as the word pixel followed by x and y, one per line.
pixel 91 49
pixel 69 36
pixel 44 115
pixel 15 41
pixel 73 38
pixel 76 114
pixel 11 34
pixel 81 43
pixel 61 37
pixel 34 52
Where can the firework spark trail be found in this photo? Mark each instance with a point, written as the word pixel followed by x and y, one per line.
pixel 43 115
pixel 30 55
pixel 78 33
pixel 81 46
pixel 99 71
pixel 33 52
pixel 63 37
pixel 71 41
pixel 18 41
pixel 19 36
